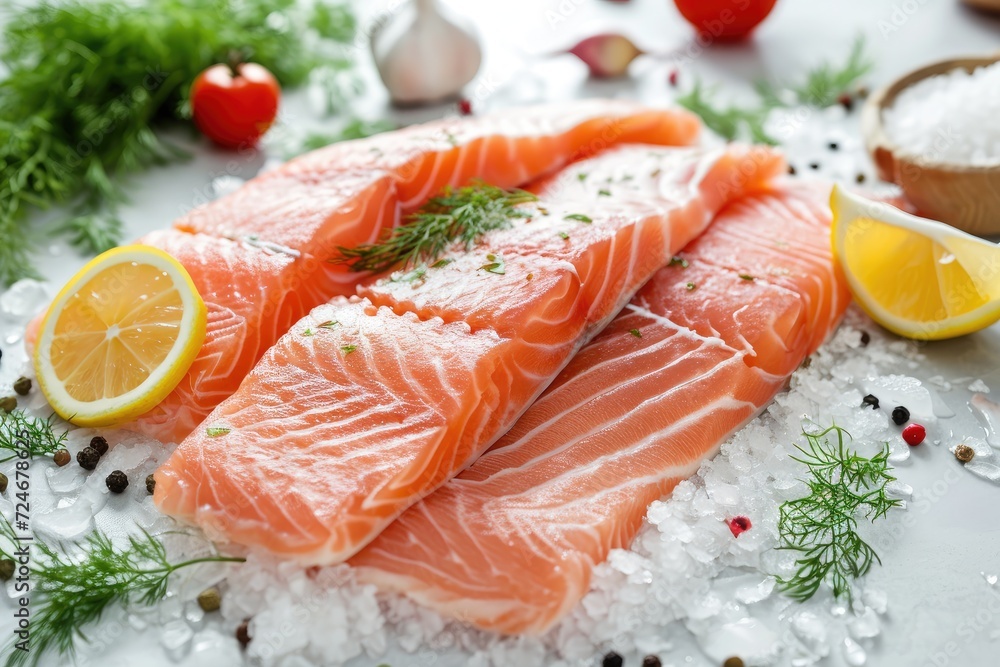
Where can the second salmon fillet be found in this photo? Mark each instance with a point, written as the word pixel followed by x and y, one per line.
pixel 370 403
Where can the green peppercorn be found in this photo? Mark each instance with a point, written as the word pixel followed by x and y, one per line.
pixel 210 599
pixel 8 404
pixel 150 484
pixel 7 567
pixel 61 457
pixel 3 483
pixel 88 458
pixel 117 481
pixel 964 453
pixel 100 444
pixel 22 386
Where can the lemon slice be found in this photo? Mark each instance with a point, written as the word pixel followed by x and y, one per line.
pixel 916 277
pixel 119 336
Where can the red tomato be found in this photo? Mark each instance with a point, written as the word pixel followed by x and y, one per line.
pixel 234 109
pixel 725 20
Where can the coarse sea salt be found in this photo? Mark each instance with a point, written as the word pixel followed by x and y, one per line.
pixel 950 117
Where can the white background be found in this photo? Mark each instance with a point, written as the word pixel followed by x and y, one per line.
pixel 933 568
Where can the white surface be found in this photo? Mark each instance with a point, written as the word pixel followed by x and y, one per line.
pixel 941 612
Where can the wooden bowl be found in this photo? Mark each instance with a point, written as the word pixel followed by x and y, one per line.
pixel 967 197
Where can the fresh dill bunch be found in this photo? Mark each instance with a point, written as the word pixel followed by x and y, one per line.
pixel 825 83
pixel 86 82
pixel 71 591
pixel 729 122
pixel 460 215
pixel 18 429
pixel 821 528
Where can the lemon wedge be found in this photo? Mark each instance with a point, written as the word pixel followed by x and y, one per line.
pixel 119 336
pixel 916 277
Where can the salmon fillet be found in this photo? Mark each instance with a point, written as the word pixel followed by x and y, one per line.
pixel 510 544
pixel 369 404
pixel 345 195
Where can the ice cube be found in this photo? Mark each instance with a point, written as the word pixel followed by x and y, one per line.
pixel 854 655
pixel 23 300
pixel 866 625
pixel 748 638
pixel 211 648
pixel 175 638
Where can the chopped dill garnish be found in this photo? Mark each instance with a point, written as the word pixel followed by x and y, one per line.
pixel 579 217
pixel 603 193
pixel 441 262
pixel 307 332
pixel 347 349
pixel 679 261
pixel 329 324
pixel 72 589
pixel 460 215
pixel 353 129
pixel 564 236
pixel 22 432
pixel 636 333
pixel 746 276
pixel 218 431
pixel 495 264
pixel 409 276
pixel 691 287
pixel 821 528
pixel 581 176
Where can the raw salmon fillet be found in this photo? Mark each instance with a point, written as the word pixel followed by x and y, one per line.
pixel 275 235
pixel 509 545
pixel 369 404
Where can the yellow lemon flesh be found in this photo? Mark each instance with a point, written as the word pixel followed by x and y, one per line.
pixel 119 337
pixel 916 277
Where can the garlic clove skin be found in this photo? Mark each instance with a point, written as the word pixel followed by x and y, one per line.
pixel 424 56
pixel 607 55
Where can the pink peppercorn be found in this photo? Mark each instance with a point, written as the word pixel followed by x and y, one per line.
pixel 739 524
pixel 914 434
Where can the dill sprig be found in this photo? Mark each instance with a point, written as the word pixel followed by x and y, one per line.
pixel 20 431
pixel 823 86
pixel 825 83
pixel 355 128
pixel 71 591
pixel 822 526
pixel 728 122
pixel 86 82
pixel 460 215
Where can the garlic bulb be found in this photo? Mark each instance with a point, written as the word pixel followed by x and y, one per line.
pixel 424 56
pixel 607 55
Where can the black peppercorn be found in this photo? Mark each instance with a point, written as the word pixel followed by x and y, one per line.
pixel 860 178
pixel 612 659
pixel 651 661
pixel 900 415
pixel 791 169
pixel 88 458
pixel 733 662
pixel 100 444
pixel 61 457
pixel 22 386
pixel 243 633
pixel 833 145
pixel 865 338
pixel 3 483
pixel 814 165
pixel 8 404
pixel 117 481
pixel 7 567
pixel 870 400
pixel 150 484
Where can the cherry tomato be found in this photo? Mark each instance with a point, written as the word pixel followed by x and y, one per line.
pixel 725 20
pixel 234 105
